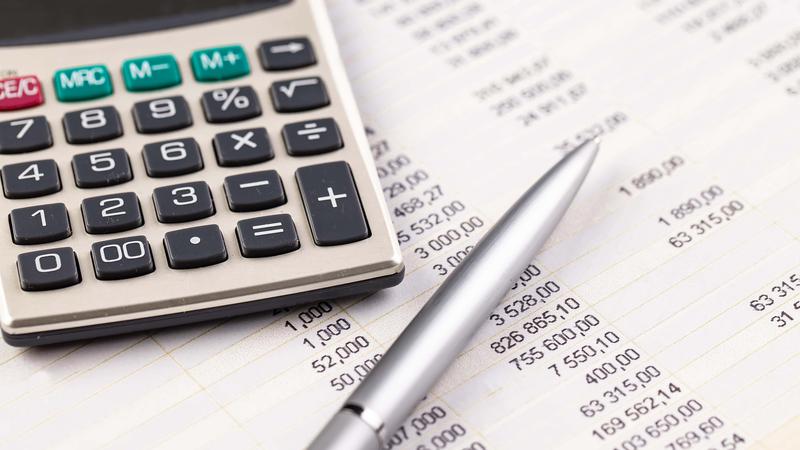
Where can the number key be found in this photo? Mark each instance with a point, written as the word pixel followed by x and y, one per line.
pixel 40 224
pixel 118 259
pixel 92 125
pixel 172 158
pixel 48 269
pixel 183 202
pixel 161 115
pixel 30 179
pixel 100 169
pixel 111 213
pixel 25 135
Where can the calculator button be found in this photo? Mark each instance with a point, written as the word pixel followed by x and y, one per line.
pixel 40 224
pixel 92 125
pixel 219 63
pixel 183 202
pixel 161 115
pixel 254 191
pixel 100 169
pixel 286 54
pixel 230 104
pixel 172 158
pixel 111 213
pixel 20 93
pixel 117 259
pixel 267 236
pixel 25 135
pixel 332 204
pixel 195 247
pixel 48 269
pixel 297 95
pixel 30 179
pixel 150 73
pixel 312 137
pixel 82 83
pixel 242 147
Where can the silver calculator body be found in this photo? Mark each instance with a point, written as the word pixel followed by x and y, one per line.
pixel 206 261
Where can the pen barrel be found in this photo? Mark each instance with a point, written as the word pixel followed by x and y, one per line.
pixel 444 326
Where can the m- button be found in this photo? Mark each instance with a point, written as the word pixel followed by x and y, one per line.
pixel 20 92
pixel 82 83
pixel 332 204
pixel 151 72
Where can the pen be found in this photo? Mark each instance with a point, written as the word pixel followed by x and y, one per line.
pixel 444 326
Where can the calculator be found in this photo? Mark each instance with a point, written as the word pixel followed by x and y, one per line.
pixel 165 162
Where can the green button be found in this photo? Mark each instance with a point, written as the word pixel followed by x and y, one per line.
pixel 220 63
pixel 151 72
pixel 82 83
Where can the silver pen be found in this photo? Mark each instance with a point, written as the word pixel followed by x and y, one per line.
pixel 444 326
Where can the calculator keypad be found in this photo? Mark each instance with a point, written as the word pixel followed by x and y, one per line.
pixel 100 169
pixel 183 202
pixel 301 94
pixel 117 259
pixel 162 115
pixel 195 247
pixel 25 135
pixel 92 125
pixel 230 104
pixel 30 179
pixel 39 224
pixel 242 147
pixel 111 213
pixel 48 269
pixel 172 158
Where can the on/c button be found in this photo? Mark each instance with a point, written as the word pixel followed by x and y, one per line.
pixel 20 93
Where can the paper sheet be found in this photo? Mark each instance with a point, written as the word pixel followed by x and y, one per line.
pixel 662 314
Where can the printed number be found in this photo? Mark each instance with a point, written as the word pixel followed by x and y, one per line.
pixel 128 250
pixel 102 162
pixel 40 213
pixel 163 108
pixel 26 125
pixel 31 172
pixel 173 151
pixel 186 192
pixel 93 118
pixel 117 203
pixel 56 262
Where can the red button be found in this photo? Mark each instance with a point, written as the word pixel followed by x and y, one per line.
pixel 20 92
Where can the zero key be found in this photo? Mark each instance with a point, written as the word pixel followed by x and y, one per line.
pixel 44 270
pixel 332 204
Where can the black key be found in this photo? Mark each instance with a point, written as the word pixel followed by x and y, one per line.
pixel 100 169
pixel 286 54
pixel 92 125
pixel 31 179
pixel 112 213
pixel 332 204
pixel 117 259
pixel 25 135
pixel 172 158
pixel 312 137
pixel 195 247
pixel 243 147
pixel 40 224
pixel 301 94
pixel 161 115
pixel 48 269
pixel 267 236
pixel 254 191
pixel 230 104
pixel 183 202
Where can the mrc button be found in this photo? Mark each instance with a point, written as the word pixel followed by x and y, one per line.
pixel 20 92
pixel 82 83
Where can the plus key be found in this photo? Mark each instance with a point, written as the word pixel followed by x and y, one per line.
pixel 332 205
